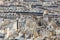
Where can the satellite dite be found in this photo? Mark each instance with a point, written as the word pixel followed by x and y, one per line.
pixel 29 19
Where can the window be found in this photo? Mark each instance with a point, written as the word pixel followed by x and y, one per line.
pixel 30 0
pixel 7 0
